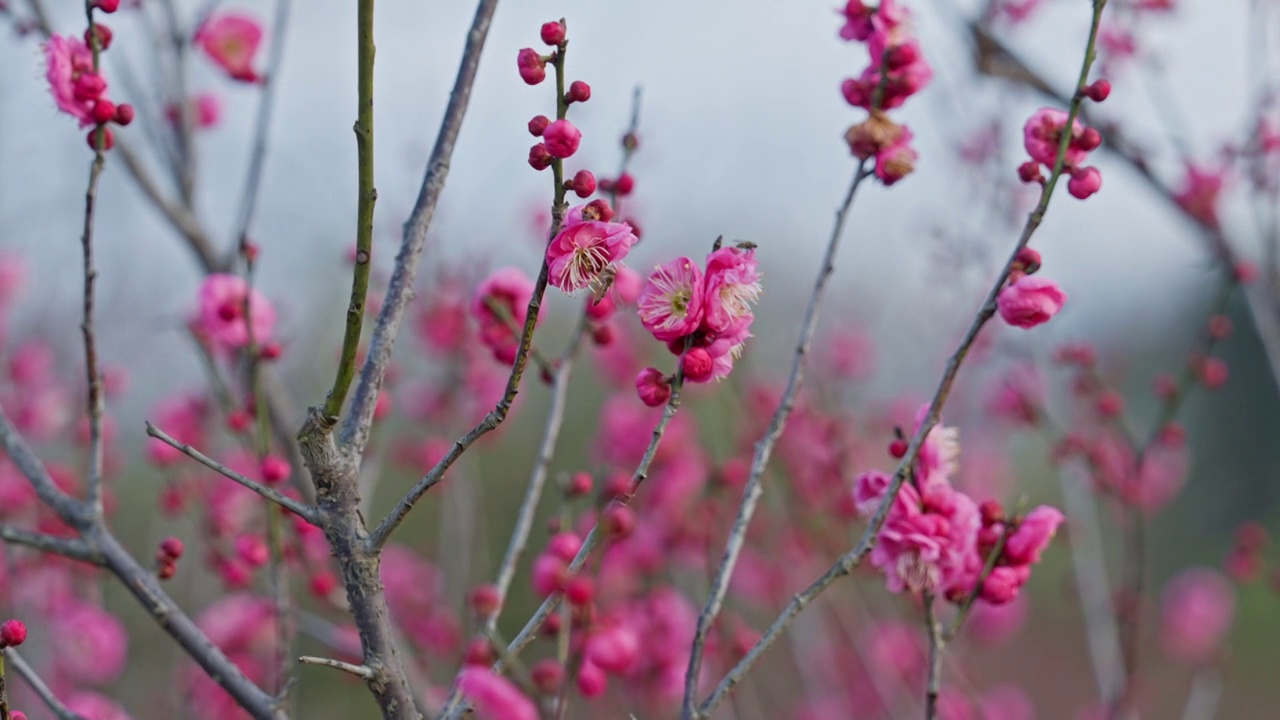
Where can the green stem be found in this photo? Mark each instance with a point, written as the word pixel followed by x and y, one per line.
pixel 367 196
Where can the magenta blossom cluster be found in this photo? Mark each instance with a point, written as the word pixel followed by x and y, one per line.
pixel 703 316
pixel 79 89
pixel 937 540
pixel 500 306
pixel 1043 136
pixel 897 70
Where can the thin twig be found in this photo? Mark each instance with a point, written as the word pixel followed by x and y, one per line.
pixel 937 649
pixel 73 548
pixel 262 124
pixel 538 476
pixel 367 196
pixel 1206 691
pixel 360 671
pixel 93 377
pixel 14 660
pixel 847 562
pixel 306 512
pixel 764 450
pixel 355 428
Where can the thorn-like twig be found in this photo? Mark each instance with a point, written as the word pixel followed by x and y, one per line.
pixel 360 671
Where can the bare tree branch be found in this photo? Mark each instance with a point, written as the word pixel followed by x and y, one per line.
pixel 306 512
pixel 764 450
pixel 73 548
pixel 14 660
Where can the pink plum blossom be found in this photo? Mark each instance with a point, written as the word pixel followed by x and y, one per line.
pixel 69 69
pixel 671 302
pixel 1195 614
pixel 500 302
pixel 1030 301
pixel 731 285
pixel 495 697
pixel 224 300
pixel 231 40
pixel 582 251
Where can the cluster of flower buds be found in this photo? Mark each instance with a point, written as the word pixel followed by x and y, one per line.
pixel 1245 560
pixel 897 70
pixel 1028 300
pixel 1043 138
pixel 704 317
pixel 79 88
pixel 936 539
pixel 167 554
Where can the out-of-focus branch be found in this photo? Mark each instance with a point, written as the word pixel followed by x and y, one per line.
pixel 73 548
pixel 847 562
pixel 764 450
pixel 38 685
pixel 139 581
pixel 355 428
pixel 262 124
pixel 937 648
pixel 306 512
pixel 454 707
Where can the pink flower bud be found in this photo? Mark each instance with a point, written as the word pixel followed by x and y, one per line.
pixel 564 545
pixel 562 139
pixel 104 36
pixel 1220 327
pixel 547 675
pixel 1029 172
pixel 598 209
pixel 1212 373
pixel 1027 261
pixel 124 114
pixel 1084 182
pixel 538 124
pixel 578 92
pixel 484 600
pixel 103 111
pixel 108 139
pixel 12 633
pixel 552 33
pixel 252 549
pixel 1000 587
pixel 1100 90
pixel 1110 404
pixel 539 158
pixel 580 591
pixel 697 365
pixel 107 6
pixel 1088 140
pixel 275 469
pixel 89 86
pixel 1030 301
pixel 584 183
pixel 652 387
pixel 533 69
pixel 579 485
pixel 172 547
pixel 619 521
pixel 614 650
pixel 591 680
pixel 549 573
pixel 625 184
pixel 1196 612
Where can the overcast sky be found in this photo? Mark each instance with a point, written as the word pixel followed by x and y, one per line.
pixel 741 135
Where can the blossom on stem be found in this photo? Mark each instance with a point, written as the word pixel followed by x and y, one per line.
pixel 231 40
pixel 1029 301
pixel 75 85
pixel 671 303
pixel 584 250
pixel 500 306
pixel 228 308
